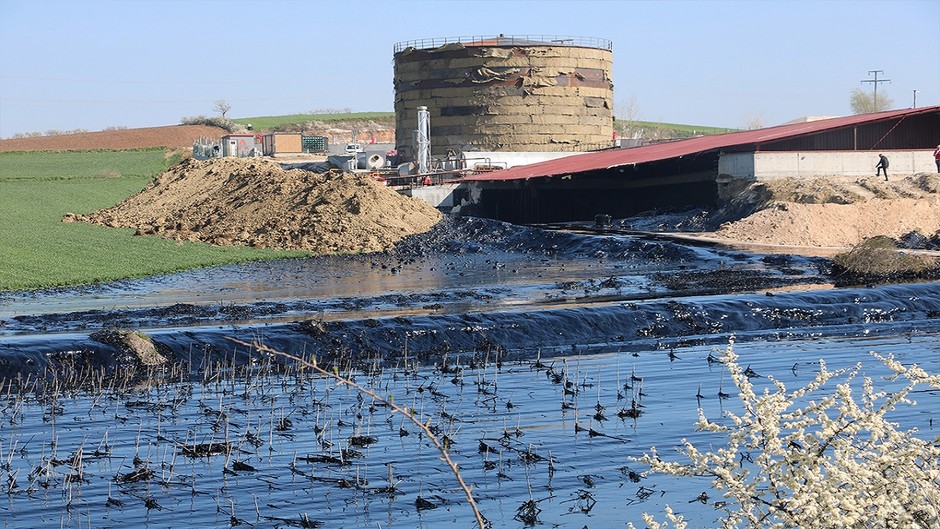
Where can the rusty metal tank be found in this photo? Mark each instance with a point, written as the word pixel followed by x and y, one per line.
pixel 505 93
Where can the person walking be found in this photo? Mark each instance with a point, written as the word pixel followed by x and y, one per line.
pixel 936 157
pixel 882 166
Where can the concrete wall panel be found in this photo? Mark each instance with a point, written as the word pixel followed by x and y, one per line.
pixel 770 165
pixel 287 143
pixel 736 165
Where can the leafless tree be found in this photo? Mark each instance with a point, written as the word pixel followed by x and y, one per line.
pixel 222 107
pixel 628 114
pixel 753 120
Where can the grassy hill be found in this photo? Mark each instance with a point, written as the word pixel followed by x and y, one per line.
pixel 653 130
pixel 298 121
pixel 647 129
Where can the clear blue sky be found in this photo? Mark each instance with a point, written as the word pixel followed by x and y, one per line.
pixel 135 63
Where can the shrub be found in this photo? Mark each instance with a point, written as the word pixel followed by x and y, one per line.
pixel 33 134
pixel 835 462
pixel 223 123
pixel 879 257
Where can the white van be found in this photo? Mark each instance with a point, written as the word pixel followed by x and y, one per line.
pixel 353 148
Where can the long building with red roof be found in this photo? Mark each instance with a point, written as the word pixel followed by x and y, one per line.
pixel 698 171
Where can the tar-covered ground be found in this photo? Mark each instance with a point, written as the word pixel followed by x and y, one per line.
pixel 546 359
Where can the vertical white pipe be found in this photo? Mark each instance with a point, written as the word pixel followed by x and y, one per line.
pixel 423 139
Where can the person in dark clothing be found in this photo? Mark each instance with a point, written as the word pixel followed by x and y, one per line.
pixel 882 166
pixel 936 157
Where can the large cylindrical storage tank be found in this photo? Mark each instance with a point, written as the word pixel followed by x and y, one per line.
pixel 505 93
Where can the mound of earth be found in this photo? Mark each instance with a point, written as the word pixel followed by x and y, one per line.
pixel 254 202
pixel 171 137
pixel 836 212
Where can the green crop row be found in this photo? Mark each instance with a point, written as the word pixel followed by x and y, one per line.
pixel 38 250
pixel 60 165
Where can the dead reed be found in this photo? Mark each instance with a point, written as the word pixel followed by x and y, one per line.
pixel 424 426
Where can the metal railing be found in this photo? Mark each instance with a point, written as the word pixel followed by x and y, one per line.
pixel 507 40
pixel 558 147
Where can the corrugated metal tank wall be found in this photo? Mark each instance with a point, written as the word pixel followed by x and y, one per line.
pixel 506 94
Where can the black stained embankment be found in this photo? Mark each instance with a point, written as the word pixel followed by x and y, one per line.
pixel 629 326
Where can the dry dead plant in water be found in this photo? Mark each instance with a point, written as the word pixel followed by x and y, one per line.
pixel 424 426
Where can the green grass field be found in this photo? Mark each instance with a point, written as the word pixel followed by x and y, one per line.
pixel 696 129
pixel 672 130
pixel 272 122
pixel 63 165
pixel 38 250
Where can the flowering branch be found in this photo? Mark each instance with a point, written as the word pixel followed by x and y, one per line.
pixel 831 462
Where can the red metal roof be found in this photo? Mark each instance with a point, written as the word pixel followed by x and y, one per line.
pixel 611 159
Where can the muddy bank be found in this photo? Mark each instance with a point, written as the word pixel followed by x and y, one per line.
pixel 584 292
pixel 460 265
pixel 627 326
pixel 466 288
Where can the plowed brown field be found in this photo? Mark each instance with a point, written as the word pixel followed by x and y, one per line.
pixel 171 137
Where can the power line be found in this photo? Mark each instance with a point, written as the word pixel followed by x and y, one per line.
pixel 136 82
pixel 145 101
pixel 875 82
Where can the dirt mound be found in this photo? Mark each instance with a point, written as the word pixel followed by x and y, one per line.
pixel 171 137
pixel 254 202
pixel 836 211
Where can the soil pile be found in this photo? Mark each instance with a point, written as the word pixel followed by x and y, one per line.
pixel 254 202
pixel 837 212
pixel 171 137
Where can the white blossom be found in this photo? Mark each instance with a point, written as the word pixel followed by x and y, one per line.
pixel 815 458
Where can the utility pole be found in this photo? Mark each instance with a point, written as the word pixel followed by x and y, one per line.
pixel 915 99
pixel 875 82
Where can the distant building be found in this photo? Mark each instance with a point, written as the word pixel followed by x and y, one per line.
pixel 809 119
pixel 287 143
pixel 241 145
pixel 282 143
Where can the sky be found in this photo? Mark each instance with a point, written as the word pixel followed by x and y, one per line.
pixel 91 65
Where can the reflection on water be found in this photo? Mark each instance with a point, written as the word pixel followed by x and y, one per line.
pixel 558 427
pixel 518 277
pixel 548 431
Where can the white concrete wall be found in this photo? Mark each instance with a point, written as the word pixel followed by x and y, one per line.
pixel 439 196
pixel 736 165
pixel 766 165
pixel 511 159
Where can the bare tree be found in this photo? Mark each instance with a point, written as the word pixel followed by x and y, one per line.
pixel 628 113
pixel 753 120
pixel 222 107
pixel 864 103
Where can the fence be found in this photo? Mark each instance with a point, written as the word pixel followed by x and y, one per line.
pixel 205 148
pixel 507 40
pixel 314 144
